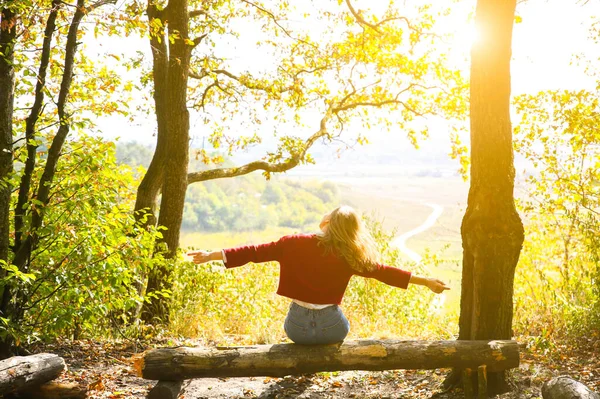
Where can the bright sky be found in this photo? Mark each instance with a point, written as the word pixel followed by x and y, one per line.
pixel 544 42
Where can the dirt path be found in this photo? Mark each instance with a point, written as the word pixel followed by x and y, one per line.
pixel 400 241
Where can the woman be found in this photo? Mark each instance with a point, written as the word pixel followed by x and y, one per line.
pixel 315 270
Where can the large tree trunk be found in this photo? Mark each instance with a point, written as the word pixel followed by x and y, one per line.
pixel 21 372
pixel 492 231
pixel 289 359
pixel 176 164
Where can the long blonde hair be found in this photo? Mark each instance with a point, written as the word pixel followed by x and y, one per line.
pixel 346 236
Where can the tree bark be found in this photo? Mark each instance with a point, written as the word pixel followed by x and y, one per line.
pixel 564 387
pixel 176 164
pixel 492 231
pixel 287 359
pixel 7 81
pixel 22 372
pixel 151 184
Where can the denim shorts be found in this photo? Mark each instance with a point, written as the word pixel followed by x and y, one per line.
pixel 316 326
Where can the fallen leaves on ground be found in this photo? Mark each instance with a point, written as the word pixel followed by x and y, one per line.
pixel 106 369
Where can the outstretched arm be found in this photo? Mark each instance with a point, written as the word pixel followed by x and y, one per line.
pixel 435 285
pixel 235 257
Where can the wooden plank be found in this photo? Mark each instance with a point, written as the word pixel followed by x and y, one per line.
pixel 287 359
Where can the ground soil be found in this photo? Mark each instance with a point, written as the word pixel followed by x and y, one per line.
pixel 106 369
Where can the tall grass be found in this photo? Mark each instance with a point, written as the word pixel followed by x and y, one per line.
pixel 556 284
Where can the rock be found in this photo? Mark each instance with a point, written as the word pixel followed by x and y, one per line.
pixel 564 387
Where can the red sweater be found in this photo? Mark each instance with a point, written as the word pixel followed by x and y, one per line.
pixel 306 273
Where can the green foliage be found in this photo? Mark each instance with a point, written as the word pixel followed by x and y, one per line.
pixel 240 305
pixel 249 203
pixel 90 256
pixel 559 270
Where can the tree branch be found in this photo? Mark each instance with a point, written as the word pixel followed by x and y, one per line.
pixel 268 167
pixel 249 83
pixel 359 18
pixel 99 3
pixel 295 159
pixel 361 21
pixel 199 39
pixel 196 13
pixel 276 22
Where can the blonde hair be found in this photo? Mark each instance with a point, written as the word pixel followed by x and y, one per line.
pixel 346 236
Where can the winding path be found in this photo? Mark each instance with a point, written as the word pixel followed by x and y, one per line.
pixel 400 241
pixel 438 301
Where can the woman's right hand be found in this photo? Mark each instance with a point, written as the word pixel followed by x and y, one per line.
pixel 437 286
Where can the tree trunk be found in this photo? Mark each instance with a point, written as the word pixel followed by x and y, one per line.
pixel 564 387
pixel 22 372
pixel 30 125
pixel 176 164
pixel 7 81
pixel 151 184
pixel 288 359
pixel 492 231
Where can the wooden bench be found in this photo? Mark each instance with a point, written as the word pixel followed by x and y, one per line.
pixel 173 365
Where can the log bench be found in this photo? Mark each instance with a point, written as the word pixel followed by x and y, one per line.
pixel 170 366
pixel 32 377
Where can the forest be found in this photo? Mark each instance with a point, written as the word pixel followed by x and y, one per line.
pixel 135 131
